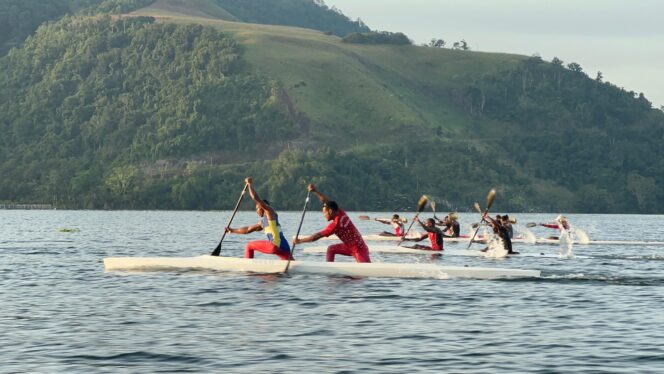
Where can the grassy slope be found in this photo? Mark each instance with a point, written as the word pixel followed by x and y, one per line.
pixel 192 8
pixel 358 93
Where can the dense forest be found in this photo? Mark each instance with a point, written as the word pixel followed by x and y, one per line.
pixel 590 136
pixel 19 19
pixel 99 111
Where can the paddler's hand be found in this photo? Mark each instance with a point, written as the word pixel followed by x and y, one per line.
pixel 248 180
pixel 311 188
pixel 297 241
pixel 228 230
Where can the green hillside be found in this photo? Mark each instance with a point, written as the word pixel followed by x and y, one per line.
pixel 300 13
pixel 133 113
pixel 194 8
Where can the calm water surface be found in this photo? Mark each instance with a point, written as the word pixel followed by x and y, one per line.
pixel 60 312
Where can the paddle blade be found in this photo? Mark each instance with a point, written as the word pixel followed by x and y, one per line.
pixel 217 250
pixel 477 207
pixel 364 218
pixel 433 206
pixel 490 197
pixel 422 203
pixel 531 224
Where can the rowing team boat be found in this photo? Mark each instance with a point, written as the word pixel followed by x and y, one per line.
pixel 351 269
pixel 379 238
pixel 390 249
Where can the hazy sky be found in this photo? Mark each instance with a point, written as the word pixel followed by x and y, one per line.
pixel 624 39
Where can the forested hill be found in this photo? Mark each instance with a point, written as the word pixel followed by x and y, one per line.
pixel 132 112
pixel 20 18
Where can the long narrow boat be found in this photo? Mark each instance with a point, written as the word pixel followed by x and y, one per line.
pixel 352 269
pixel 380 238
pixel 393 249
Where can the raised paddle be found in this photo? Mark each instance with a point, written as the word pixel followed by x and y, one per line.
pixel 433 208
pixel 217 250
pixel 490 197
pixel 420 207
pixel 531 224
pixel 297 234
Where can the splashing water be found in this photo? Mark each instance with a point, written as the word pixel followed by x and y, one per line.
pixel 566 243
pixel 580 236
pixel 527 235
pixel 495 246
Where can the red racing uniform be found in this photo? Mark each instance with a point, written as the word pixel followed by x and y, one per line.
pixel 352 242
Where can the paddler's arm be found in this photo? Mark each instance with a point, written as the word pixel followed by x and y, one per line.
pixel 323 199
pixel 308 239
pixel 383 220
pixel 257 199
pixel 405 239
pixel 244 230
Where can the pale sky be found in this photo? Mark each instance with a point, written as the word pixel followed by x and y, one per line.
pixel 624 39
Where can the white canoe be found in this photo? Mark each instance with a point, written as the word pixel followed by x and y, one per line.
pixel 379 238
pixel 352 269
pixel 392 249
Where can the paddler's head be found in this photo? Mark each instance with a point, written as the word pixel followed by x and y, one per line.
pixel 259 209
pixel 395 218
pixel 429 222
pixel 330 209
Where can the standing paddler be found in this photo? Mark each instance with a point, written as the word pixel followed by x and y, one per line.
pixel 341 225
pixel 276 243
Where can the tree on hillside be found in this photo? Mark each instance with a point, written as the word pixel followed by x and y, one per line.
pixel 461 45
pixel 436 43
pixel 557 62
pixel 573 66
pixel 377 37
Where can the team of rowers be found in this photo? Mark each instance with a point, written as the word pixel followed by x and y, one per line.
pixel 352 243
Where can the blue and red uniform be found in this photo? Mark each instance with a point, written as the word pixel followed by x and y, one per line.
pixel 276 243
pixel 352 242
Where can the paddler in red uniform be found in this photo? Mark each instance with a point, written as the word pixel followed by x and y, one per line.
pixel 434 234
pixel 396 223
pixel 561 224
pixel 276 243
pixel 341 225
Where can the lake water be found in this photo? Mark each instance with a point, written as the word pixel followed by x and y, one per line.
pixel 61 312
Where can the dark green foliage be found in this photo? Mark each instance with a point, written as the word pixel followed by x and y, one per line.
pixel 88 101
pixel 301 13
pixel 20 18
pixel 377 37
pixel 593 138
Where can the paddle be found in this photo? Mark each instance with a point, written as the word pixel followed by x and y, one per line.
pixel 217 250
pixel 531 224
pixel 420 207
pixel 433 208
pixel 297 234
pixel 490 197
